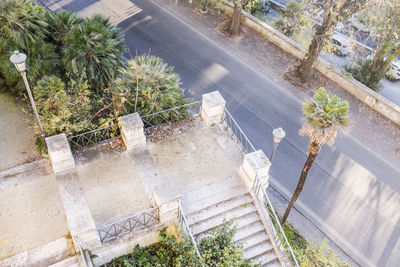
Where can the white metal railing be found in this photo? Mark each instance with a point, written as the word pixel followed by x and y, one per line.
pixel 248 147
pixel 269 211
pixel 237 133
pixel 185 226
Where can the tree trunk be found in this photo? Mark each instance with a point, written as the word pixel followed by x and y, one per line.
pixel 237 11
pixel 307 64
pixel 312 153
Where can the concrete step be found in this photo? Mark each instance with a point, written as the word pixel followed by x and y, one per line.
pixel 268 259
pixel 243 216
pixel 248 230
pixel 68 262
pixel 192 205
pixel 214 188
pixel 211 211
pixel 257 251
pixel 273 263
pixel 253 240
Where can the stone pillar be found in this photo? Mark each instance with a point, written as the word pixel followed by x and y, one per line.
pixel 132 131
pixel 168 206
pixel 212 108
pixel 255 164
pixel 60 153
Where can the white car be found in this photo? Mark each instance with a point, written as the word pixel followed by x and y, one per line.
pixel 394 70
pixel 340 44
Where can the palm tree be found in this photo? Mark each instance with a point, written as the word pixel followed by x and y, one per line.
pixel 93 51
pixel 326 117
pixel 23 27
pixel 59 25
pixel 148 85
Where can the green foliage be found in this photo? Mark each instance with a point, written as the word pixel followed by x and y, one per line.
pixel 59 25
pixel 59 110
pixel 79 95
pixel 216 250
pixel 93 51
pixel 325 117
pixel 291 19
pixel 23 27
pixel 252 6
pixel 361 71
pixel 147 85
pixel 310 254
pixel 41 145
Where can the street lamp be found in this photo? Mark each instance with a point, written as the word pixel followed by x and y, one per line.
pixel 18 59
pixel 278 135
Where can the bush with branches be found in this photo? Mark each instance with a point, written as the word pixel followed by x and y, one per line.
pixel 218 249
pixel 291 19
pixel 361 71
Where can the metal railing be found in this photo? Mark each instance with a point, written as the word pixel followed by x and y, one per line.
pixel 111 132
pixel 248 147
pixel 237 133
pixel 186 228
pixel 175 114
pixel 128 224
pixel 93 137
pixel 276 227
pixel 82 254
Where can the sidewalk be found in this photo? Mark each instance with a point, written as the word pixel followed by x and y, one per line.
pixel 17 137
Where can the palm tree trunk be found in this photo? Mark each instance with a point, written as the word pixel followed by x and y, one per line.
pixel 313 152
pixel 237 11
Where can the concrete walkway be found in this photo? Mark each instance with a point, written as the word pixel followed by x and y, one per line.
pixel 17 137
pixel 31 211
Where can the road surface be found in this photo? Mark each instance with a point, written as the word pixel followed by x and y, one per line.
pixel 352 191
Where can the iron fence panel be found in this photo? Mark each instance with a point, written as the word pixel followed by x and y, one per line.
pixel 175 114
pixel 95 136
pixel 126 225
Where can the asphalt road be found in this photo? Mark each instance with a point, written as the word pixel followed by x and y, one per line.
pixel 352 192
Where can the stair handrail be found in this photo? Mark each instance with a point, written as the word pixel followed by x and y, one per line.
pixel 257 187
pixel 183 222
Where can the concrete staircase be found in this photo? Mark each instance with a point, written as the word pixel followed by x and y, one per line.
pixel 207 207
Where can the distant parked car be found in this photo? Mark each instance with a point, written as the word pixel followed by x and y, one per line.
pixel 340 45
pixel 394 70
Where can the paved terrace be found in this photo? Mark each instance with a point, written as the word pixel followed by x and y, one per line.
pixel 98 186
pixel 31 212
pixel 194 155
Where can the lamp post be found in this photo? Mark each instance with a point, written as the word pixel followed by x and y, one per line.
pixel 18 59
pixel 278 135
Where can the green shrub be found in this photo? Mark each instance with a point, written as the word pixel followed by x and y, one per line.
pixel 361 72
pixel 93 51
pixel 253 6
pixel 60 111
pixel 23 27
pixel 60 24
pixel 148 85
pixel 216 250
pixel 291 19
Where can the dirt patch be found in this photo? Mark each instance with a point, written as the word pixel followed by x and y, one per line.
pixel 168 130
